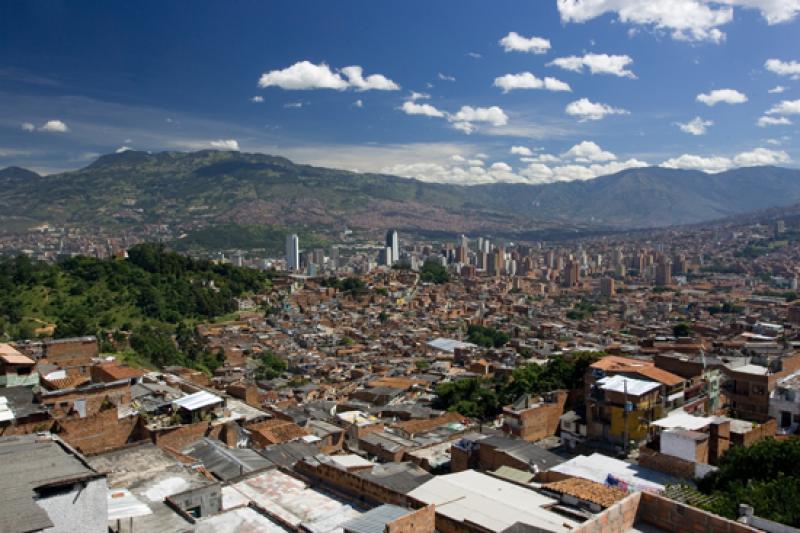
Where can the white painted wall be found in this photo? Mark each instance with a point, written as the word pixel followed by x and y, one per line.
pixel 678 446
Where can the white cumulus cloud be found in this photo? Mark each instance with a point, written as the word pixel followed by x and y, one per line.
pixel 725 96
pixel 28 126
pixel 588 151
pixel 257 99
pixel 526 80
pixel 305 75
pixel 786 107
pixel 761 156
pixel 446 77
pixel 696 126
pixel 784 68
pixel 615 65
pixel 514 42
pixel 687 20
pixel 413 108
pixel 521 150
pixel 778 89
pixel 122 149
pixel 54 126
pixel 377 82
pixel 585 110
pixel 765 121
pixel 225 144
pixel 710 164
pixel 714 164
pixel 493 115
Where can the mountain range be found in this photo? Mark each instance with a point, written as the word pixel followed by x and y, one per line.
pixel 196 189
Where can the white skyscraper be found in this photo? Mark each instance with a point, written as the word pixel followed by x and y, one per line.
pixel 393 242
pixel 292 252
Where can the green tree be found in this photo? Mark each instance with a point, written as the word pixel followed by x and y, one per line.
pixel 470 397
pixel 681 329
pixel 433 272
pixel 270 366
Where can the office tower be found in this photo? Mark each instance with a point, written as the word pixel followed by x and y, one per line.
pixel 608 287
pixel 663 272
pixel 461 254
pixel 680 266
pixel 292 252
pixel 550 259
pixel 393 242
pixel 571 274
pixel 334 257
pixel 385 257
pixel 619 258
pixel 487 246
pixel 318 257
pixel 483 260
pixel 463 241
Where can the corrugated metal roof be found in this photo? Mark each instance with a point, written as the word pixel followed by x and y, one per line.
pixel 123 504
pixel 375 520
pixel 198 400
pixel 622 384
pixel 226 463
pixel 29 462
pixel 514 474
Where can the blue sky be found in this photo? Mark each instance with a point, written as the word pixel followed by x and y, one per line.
pixel 459 91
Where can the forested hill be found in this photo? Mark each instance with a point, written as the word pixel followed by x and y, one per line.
pixel 216 188
pixel 154 294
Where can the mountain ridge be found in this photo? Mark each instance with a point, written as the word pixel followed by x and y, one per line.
pixel 194 189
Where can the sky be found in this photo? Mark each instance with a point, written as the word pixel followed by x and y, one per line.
pixel 457 91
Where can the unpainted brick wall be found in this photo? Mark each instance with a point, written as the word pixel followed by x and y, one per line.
pixel 349 483
pixel 420 521
pixel 98 433
pixel 540 422
pixel 179 438
pixel 668 464
pixel 670 515
pixel 617 518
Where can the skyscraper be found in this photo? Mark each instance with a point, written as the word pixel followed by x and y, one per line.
pixel 393 242
pixel 571 274
pixel 663 272
pixel 292 252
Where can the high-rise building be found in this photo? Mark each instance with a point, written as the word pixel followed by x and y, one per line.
pixel 292 252
pixel 461 254
pixel 663 272
pixel 385 257
pixel 463 241
pixel 571 275
pixel 608 287
pixel 393 242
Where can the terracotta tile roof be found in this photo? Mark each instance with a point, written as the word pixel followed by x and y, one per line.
pixel 587 490
pixel 69 382
pixel 278 431
pixel 117 371
pixel 613 364
pixel 396 382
